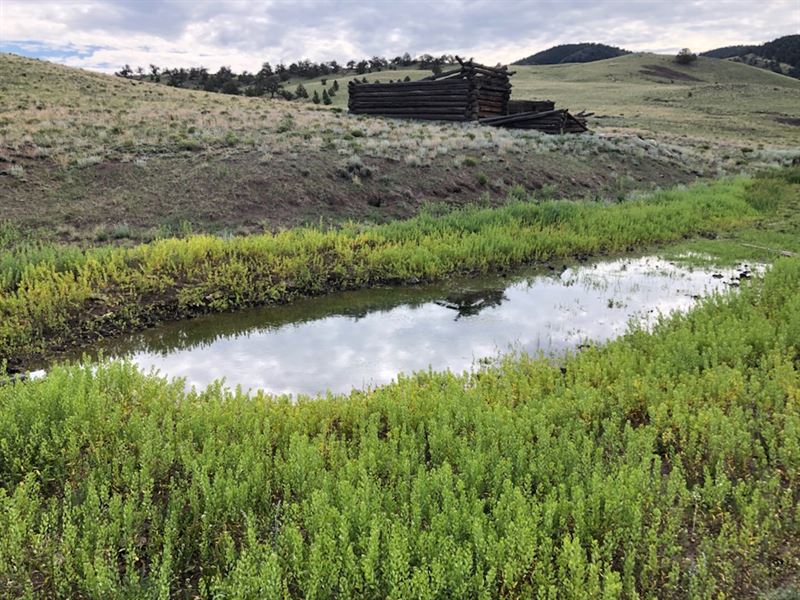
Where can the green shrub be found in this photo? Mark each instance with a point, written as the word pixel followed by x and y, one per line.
pixel 662 465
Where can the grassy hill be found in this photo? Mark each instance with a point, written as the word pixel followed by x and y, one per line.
pixel 572 53
pixel 87 158
pixel 779 55
pixel 711 99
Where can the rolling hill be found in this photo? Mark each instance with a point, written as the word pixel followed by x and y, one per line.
pixel 781 55
pixel 712 99
pixel 573 53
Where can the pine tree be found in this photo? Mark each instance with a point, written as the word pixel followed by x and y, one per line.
pixel 315 98
pixel 326 99
pixel 301 91
pixel 335 86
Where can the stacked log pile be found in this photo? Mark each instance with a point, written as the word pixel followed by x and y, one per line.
pixel 468 93
pixel 471 92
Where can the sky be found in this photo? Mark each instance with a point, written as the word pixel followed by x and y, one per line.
pixel 103 35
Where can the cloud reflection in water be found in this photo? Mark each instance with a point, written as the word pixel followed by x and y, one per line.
pixel 365 338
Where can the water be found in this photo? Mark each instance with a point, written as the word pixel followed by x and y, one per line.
pixel 365 338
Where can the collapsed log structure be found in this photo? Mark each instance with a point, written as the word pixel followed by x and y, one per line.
pixel 471 92
pixel 550 121
pixel 468 93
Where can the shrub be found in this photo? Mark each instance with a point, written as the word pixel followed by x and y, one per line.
pixel 230 87
pixel 17 172
pixel 685 57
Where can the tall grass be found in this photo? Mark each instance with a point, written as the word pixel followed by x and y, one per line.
pixel 51 298
pixel 663 465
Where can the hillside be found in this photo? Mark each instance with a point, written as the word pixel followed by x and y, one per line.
pixel 710 99
pixel 573 53
pixel 87 158
pixel 781 55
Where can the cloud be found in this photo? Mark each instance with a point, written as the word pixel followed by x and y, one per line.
pixel 105 34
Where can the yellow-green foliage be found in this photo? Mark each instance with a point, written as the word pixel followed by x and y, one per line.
pixel 52 299
pixel 664 465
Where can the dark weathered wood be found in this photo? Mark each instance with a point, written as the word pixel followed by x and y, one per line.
pixel 419 101
pixel 442 75
pixel 415 94
pixel 412 101
pixel 411 110
pixel 519 106
pixel 473 96
pixel 519 117
pixel 424 117
pixel 402 85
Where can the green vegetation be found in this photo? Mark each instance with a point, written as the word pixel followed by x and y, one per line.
pixel 52 298
pixel 708 100
pixel 781 55
pixel 573 53
pixel 776 234
pixel 661 465
pixel 685 57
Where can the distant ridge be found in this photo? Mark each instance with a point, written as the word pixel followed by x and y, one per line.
pixel 573 53
pixel 781 55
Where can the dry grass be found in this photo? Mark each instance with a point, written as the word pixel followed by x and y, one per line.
pixel 80 118
pixel 732 104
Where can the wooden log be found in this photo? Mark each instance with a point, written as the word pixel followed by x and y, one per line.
pixel 424 117
pixel 519 106
pixel 491 94
pixel 493 88
pixel 442 75
pixel 519 117
pixel 412 101
pixel 417 94
pixel 411 110
pixel 497 106
pixel 427 85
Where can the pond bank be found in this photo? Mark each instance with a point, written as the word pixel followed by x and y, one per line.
pixel 50 303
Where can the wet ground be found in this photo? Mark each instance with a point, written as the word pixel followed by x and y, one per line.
pixel 365 338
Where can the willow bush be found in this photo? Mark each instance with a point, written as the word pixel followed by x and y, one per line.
pixel 49 299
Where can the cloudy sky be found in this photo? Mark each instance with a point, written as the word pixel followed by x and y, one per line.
pixel 105 34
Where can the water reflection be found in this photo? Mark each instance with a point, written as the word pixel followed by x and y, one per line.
pixel 365 338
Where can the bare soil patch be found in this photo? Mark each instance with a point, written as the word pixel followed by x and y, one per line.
pixel 245 194
pixel 666 73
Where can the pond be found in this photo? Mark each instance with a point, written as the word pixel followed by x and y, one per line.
pixel 364 338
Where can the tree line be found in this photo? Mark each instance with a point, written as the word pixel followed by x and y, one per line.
pixel 272 81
